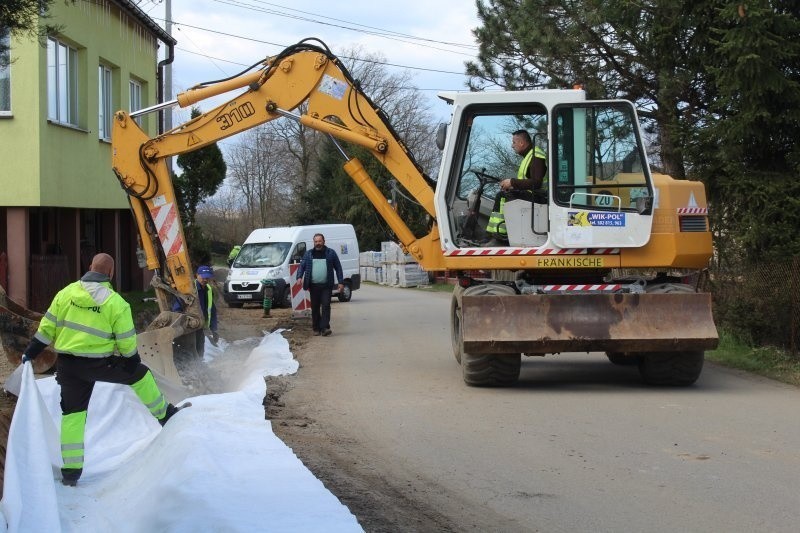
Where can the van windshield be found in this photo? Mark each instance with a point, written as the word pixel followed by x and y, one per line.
pixel 263 254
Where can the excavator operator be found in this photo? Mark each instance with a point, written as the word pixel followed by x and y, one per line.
pixel 530 184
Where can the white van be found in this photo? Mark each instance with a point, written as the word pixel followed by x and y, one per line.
pixel 268 252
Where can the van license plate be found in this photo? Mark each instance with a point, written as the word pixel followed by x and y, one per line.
pixel 245 296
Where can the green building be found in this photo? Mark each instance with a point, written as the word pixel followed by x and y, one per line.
pixel 60 202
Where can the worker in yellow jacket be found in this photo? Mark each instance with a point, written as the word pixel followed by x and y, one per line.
pixel 529 184
pixel 91 328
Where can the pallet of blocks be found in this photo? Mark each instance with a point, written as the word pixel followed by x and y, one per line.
pixel 400 269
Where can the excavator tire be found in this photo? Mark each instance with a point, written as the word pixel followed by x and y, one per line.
pixel 491 370
pixel 455 323
pixel 671 368
pixel 487 370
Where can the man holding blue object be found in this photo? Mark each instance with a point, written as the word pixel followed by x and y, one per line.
pixel 317 270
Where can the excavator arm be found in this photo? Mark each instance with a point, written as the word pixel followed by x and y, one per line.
pixel 305 76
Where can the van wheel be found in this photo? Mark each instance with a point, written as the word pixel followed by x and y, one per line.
pixel 235 305
pixel 346 293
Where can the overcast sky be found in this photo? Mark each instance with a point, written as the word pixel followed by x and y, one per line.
pixel 219 38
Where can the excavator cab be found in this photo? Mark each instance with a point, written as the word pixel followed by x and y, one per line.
pixel 598 193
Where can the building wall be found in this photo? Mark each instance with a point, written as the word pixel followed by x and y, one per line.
pixel 58 192
pixel 19 149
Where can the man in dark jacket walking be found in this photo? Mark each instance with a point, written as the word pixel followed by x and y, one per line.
pixel 317 270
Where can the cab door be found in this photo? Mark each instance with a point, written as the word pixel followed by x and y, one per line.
pixel 601 190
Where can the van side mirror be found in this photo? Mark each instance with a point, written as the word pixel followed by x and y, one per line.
pixel 441 135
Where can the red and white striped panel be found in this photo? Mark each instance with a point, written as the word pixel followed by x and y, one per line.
pixel 507 250
pixel 301 302
pixel 165 217
pixel 692 210
pixel 601 287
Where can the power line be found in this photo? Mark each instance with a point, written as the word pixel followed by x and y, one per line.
pixel 353 26
pixel 283 46
pixel 247 65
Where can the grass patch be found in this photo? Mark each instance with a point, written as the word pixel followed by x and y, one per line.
pixel 437 287
pixel 765 361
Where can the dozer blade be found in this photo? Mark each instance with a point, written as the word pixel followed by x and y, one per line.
pixel 17 327
pixel 156 344
pixel 552 323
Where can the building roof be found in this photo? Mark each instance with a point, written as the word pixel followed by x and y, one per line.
pixel 133 9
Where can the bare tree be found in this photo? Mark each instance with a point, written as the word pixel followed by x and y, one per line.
pixel 222 217
pixel 260 170
pixel 398 97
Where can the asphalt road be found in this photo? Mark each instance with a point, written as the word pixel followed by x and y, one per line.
pixel 578 445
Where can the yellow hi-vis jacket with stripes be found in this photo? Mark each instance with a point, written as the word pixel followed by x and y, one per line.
pixel 89 319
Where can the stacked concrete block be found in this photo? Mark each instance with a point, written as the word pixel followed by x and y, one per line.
pixel 391 267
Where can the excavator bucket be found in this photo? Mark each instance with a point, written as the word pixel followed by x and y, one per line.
pixel 157 342
pixel 552 323
pixel 17 326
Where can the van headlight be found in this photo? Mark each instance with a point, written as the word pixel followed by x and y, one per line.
pixel 273 272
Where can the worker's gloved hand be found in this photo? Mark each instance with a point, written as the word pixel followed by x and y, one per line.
pixel 27 358
pixel 214 338
pixel 129 364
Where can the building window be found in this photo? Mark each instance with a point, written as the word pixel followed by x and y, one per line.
pixel 136 99
pixel 62 83
pixel 5 72
pixel 106 102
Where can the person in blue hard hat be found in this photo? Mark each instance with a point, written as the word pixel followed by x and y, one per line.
pixel 205 295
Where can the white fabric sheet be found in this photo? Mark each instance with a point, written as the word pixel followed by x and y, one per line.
pixel 216 466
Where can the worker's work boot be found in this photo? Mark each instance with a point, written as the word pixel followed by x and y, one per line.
pixel 70 476
pixel 171 410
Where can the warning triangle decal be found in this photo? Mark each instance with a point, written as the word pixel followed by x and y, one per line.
pixel 692 201
pixel 193 139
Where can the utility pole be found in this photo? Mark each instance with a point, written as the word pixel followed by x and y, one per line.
pixel 168 69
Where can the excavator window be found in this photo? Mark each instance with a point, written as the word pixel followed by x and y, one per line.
pixel 486 157
pixel 599 157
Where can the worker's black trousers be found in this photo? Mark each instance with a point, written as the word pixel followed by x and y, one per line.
pixel 320 307
pixel 77 376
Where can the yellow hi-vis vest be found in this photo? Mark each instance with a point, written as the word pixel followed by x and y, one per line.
pixel 526 162
pixel 89 319
pixel 497 220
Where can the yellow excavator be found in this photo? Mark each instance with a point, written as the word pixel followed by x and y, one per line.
pixel 613 259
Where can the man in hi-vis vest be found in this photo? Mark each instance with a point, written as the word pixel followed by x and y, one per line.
pixel 91 329
pixel 530 184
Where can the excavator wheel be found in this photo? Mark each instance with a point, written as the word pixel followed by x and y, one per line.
pixel 671 368
pixel 484 370
pixel 455 323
